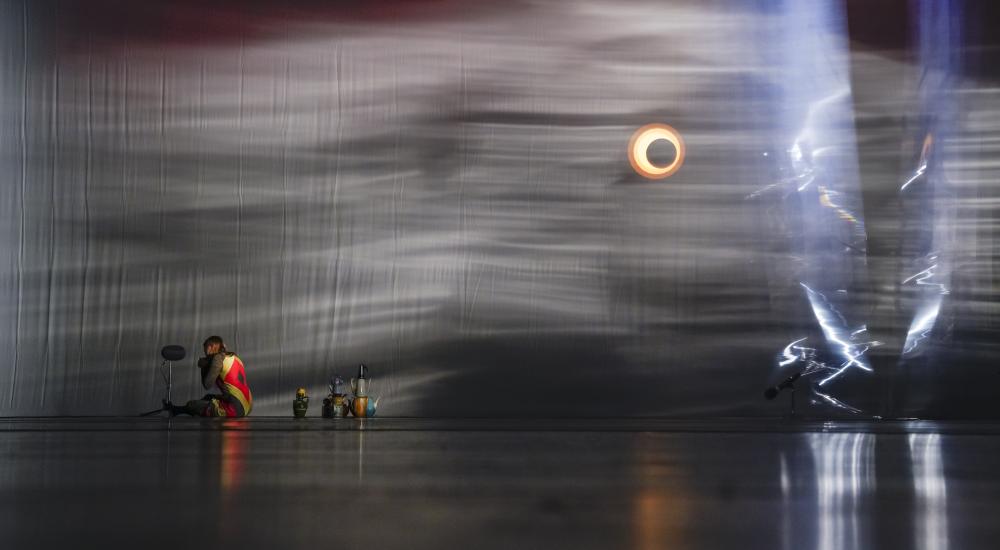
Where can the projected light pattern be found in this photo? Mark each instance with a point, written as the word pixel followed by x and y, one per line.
pixel 638 150
pixel 929 244
pixel 833 324
pixel 794 352
pixel 819 194
pixel 921 163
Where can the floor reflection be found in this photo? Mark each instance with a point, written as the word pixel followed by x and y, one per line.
pixel 659 508
pixel 845 479
pixel 232 463
pixel 307 484
pixel 930 488
pixel 234 446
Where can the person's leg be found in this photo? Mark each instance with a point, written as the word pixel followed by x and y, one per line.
pixel 195 407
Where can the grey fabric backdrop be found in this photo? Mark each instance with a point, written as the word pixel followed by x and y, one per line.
pixel 442 191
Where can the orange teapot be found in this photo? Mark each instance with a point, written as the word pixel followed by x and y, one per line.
pixel 364 406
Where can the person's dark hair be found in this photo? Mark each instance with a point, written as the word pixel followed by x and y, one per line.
pixel 215 340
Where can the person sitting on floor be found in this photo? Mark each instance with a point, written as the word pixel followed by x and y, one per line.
pixel 225 370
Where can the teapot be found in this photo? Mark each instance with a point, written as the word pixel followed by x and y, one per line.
pixel 363 383
pixel 364 406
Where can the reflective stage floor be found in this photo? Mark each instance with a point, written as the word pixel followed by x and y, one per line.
pixel 518 484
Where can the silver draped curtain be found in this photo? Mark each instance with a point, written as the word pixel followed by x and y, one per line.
pixel 443 193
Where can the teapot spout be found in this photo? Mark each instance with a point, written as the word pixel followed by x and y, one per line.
pixel 372 406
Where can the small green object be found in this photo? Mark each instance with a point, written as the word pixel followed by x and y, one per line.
pixel 300 406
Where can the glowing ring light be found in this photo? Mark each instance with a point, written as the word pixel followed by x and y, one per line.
pixel 638 149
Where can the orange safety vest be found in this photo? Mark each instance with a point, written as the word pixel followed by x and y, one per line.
pixel 232 381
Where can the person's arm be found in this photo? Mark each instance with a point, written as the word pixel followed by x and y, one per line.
pixel 203 364
pixel 212 371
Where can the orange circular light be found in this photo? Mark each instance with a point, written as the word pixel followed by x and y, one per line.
pixel 638 150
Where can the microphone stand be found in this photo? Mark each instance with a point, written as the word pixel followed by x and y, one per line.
pixel 168 378
pixel 787 384
pixel 791 410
